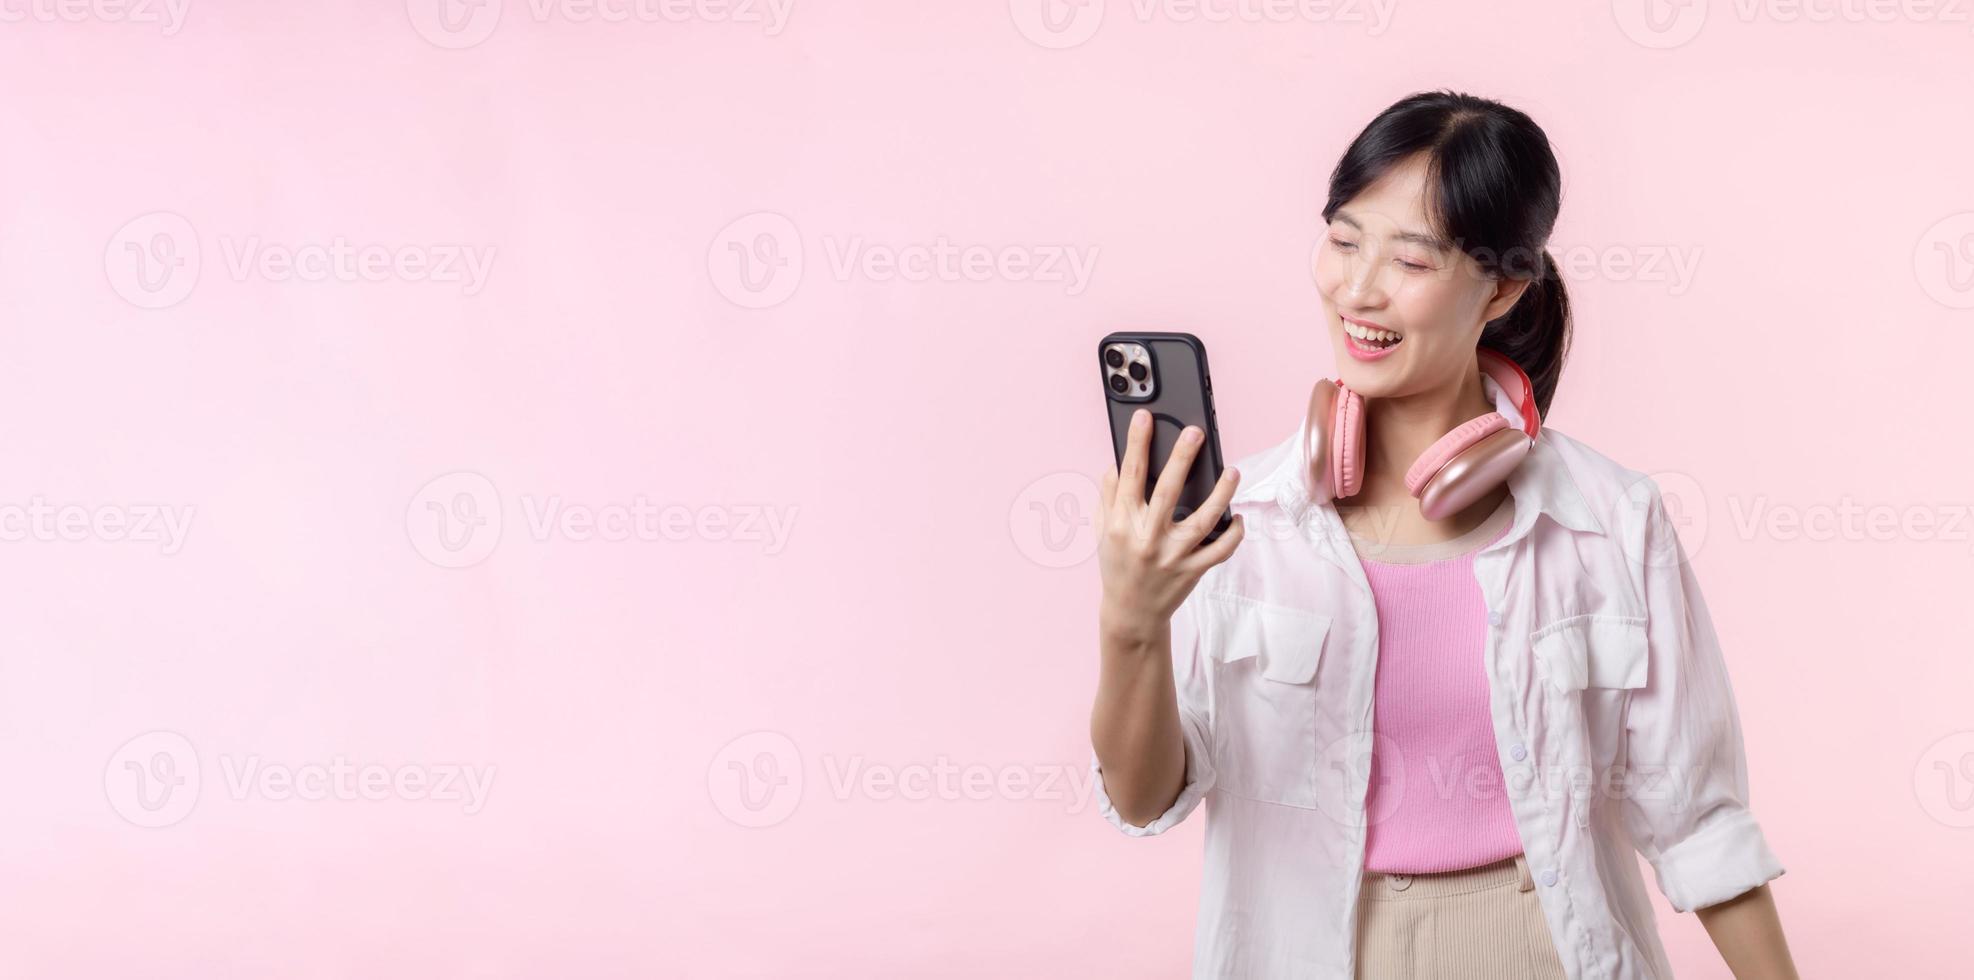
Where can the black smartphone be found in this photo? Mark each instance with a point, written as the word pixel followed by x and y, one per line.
pixel 1165 374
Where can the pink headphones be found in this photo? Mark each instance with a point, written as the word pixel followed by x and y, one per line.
pixel 1460 468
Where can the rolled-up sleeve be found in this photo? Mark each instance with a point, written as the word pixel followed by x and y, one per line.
pixel 1686 804
pixel 1192 678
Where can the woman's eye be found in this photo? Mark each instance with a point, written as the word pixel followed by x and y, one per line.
pixel 1343 245
pixel 1413 266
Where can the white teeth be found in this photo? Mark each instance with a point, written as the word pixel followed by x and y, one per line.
pixel 1367 333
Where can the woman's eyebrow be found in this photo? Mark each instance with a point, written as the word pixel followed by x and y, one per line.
pixel 1430 241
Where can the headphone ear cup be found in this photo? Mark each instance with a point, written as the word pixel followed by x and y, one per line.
pixel 1448 446
pixel 1473 472
pixel 1316 427
pixel 1347 443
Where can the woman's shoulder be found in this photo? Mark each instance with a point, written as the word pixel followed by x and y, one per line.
pixel 1608 487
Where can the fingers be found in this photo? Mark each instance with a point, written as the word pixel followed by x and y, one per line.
pixel 1220 550
pixel 1172 479
pixel 1137 452
pixel 1104 495
pixel 1202 521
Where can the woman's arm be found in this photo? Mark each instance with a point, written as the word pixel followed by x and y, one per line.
pixel 1135 724
pixel 1149 564
pixel 1748 933
pixel 1692 818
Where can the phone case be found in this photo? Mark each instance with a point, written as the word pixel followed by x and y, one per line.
pixel 1182 395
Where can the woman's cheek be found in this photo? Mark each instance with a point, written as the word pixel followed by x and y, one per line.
pixel 1324 274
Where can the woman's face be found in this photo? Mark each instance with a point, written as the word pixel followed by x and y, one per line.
pixel 1382 269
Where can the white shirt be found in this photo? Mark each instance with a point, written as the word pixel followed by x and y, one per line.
pixel 1613 716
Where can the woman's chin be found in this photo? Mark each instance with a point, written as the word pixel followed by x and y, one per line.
pixel 1367 377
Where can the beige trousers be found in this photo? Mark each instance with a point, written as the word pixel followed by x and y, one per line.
pixel 1482 923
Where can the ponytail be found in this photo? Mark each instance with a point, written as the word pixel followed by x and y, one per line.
pixel 1535 333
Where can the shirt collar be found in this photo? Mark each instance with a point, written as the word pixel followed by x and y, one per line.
pixel 1541 485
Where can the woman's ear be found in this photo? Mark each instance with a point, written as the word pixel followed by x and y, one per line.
pixel 1506 293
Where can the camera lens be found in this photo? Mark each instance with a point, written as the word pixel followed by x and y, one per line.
pixel 1114 357
pixel 1118 384
pixel 1137 372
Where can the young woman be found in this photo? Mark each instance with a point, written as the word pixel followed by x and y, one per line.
pixel 1449 668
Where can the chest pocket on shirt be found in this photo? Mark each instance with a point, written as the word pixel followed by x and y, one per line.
pixel 1264 733
pixel 1596 660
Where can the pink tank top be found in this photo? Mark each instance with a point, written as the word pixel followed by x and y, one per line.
pixel 1437 799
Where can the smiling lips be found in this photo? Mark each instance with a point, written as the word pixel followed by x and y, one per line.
pixel 1367 342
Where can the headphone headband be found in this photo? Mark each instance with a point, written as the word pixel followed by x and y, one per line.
pixel 1515 382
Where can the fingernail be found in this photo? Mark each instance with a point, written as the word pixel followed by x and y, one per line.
pixel 1193 434
pixel 1140 417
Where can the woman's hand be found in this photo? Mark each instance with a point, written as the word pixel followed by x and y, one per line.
pixel 1150 563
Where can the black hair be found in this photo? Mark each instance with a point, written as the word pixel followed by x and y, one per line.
pixel 1493 192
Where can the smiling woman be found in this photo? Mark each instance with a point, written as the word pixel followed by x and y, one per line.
pixel 1468 592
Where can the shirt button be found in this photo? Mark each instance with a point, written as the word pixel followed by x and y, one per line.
pixel 1549 877
pixel 1519 751
pixel 1494 617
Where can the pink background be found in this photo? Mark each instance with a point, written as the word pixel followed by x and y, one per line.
pixel 917 433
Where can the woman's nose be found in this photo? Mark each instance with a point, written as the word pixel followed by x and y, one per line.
pixel 1362 288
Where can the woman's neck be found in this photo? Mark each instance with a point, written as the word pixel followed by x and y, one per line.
pixel 1397 431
